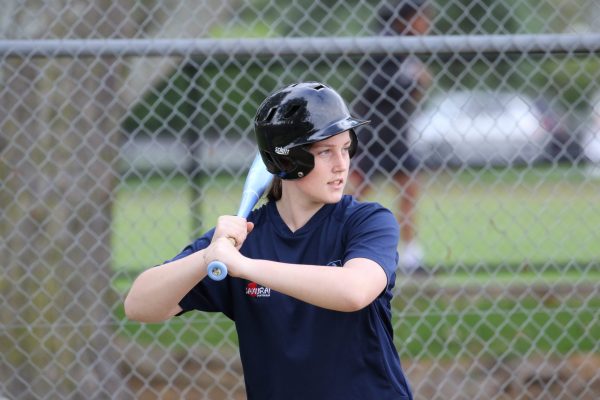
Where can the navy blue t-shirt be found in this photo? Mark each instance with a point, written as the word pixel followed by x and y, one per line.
pixel 294 350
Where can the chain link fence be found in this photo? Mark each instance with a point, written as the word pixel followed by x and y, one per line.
pixel 125 130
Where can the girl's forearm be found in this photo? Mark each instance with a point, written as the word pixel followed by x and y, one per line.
pixel 156 293
pixel 348 288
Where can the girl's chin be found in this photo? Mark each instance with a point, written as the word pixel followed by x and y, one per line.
pixel 333 198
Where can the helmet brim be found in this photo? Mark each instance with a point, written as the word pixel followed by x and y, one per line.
pixel 329 131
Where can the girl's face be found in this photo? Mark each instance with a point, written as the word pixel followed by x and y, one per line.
pixel 326 182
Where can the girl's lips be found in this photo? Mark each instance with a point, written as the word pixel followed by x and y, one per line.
pixel 336 182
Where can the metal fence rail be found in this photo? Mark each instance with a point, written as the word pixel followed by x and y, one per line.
pixel 305 46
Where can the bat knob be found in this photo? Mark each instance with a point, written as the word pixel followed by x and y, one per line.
pixel 217 271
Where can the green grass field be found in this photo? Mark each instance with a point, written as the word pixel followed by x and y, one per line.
pixel 496 327
pixel 542 216
pixel 508 216
pixel 433 329
pixel 506 227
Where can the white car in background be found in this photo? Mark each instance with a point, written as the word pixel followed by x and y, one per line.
pixel 591 140
pixel 480 128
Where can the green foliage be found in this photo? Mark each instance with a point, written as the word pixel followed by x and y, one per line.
pixel 221 95
pixel 166 109
pixel 566 80
pixel 467 17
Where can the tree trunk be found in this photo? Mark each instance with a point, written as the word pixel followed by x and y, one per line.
pixel 58 173
pixel 59 143
pixel 60 126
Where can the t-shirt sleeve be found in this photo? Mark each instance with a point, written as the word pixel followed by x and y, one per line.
pixel 206 295
pixel 373 233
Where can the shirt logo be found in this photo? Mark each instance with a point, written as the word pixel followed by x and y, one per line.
pixel 336 263
pixel 254 290
pixel 282 151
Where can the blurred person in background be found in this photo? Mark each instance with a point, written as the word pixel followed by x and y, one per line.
pixel 393 88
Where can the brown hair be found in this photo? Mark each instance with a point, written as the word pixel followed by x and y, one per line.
pixel 274 192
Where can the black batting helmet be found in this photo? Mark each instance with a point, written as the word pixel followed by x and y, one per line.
pixel 294 117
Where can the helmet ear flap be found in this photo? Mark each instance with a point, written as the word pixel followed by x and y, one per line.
pixel 299 161
pixel 296 164
pixel 304 161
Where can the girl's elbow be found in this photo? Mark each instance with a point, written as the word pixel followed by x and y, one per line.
pixel 144 317
pixel 131 311
pixel 147 314
pixel 357 295
pixel 134 312
pixel 356 302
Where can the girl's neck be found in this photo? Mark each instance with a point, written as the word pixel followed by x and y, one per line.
pixel 296 211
